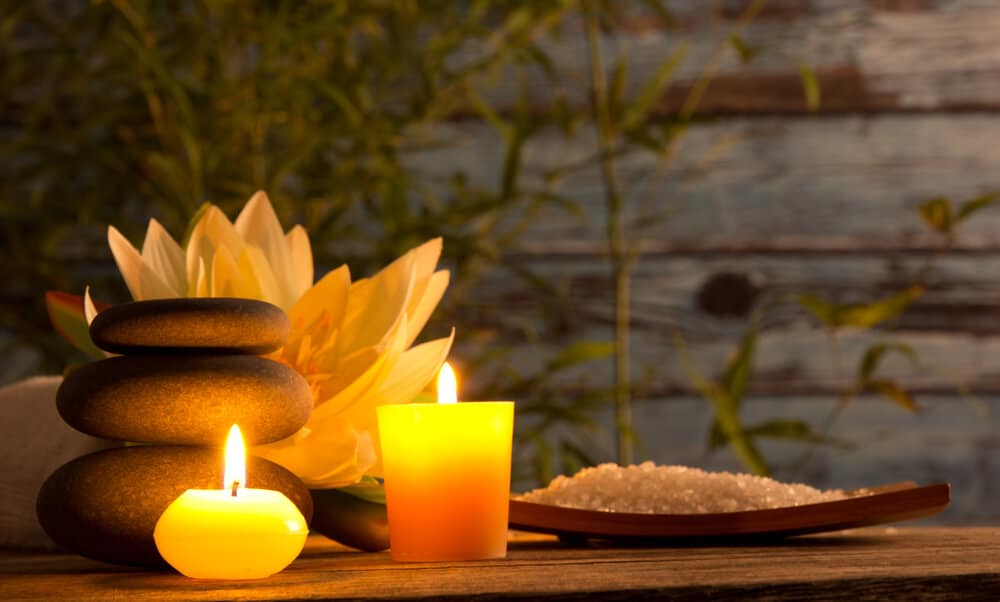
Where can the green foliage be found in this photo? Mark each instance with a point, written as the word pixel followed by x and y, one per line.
pixel 115 112
pixel 941 215
pixel 725 396
pixel 860 315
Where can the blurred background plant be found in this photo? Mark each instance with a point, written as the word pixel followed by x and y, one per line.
pixel 114 112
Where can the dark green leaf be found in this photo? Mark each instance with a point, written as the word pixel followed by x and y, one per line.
pixel 873 355
pixel 368 488
pixel 716 437
pixel 820 308
pixel 866 315
pixel 616 89
pixel 975 204
pixel 652 91
pixel 937 213
pixel 580 353
pixel 794 430
pixel 892 391
pixel 861 315
pixel 737 373
pixel 810 86
pixel 745 51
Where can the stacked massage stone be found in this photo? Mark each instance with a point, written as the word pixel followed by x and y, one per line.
pixel 189 369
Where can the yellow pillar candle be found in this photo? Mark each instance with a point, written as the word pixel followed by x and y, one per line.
pixel 447 476
pixel 231 533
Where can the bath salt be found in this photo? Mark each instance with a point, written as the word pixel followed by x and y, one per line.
pixel 651 489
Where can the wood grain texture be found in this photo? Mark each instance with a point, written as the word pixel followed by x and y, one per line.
pixel 847 184
pixel 904 563
pixel 868 56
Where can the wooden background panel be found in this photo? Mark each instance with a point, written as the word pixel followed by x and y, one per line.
pixel 868 56
pixel 842 184
pixel 787 362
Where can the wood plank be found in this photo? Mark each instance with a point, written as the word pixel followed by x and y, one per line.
pixel 788 361
pixel 868 56
pixel 930 563
pixel 961 293
pixel 840 184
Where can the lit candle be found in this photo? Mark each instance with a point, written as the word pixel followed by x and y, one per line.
pixel 234 532
pixel 447 475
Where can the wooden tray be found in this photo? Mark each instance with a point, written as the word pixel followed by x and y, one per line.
pixel 864 507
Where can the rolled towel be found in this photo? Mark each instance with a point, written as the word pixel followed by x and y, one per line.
pixel 34 441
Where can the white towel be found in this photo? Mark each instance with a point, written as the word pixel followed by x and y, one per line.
pixel 34 442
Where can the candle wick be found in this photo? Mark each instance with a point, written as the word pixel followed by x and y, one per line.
pixel 235 485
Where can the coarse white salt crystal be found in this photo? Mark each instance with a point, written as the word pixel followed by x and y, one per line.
pixel 650 489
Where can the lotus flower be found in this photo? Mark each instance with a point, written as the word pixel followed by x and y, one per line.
pixel 350 340
pixel 252 258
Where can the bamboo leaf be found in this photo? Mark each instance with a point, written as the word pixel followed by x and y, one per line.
pixel 793 429
pixel 737 373
pixel 726 414
pixel 869 314
pixel 862 315
pixel 616 89
pixel 873 355
pixel 820 308
pixel 895 393
pixel 975 204
pixel 937 214
pixel 652 91
pixel 810 86
pixel 579 353
pixel 716 436
pixel 745 51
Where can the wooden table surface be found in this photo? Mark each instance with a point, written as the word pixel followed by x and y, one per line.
pixel 876 563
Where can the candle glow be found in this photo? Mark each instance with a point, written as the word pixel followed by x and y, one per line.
pixel 235 473
pixel 447 385
pixel 232 533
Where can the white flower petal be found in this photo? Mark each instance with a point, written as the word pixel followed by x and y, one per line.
pixel 258 225
pixel 89 309
pixel 128 259
pixel 165 257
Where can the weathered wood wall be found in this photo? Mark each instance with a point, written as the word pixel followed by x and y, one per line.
pixel 823 203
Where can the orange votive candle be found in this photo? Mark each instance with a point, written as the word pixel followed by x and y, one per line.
pixel 447 478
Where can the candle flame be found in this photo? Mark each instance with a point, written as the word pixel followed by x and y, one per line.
pixel 447 385
pixel 236 461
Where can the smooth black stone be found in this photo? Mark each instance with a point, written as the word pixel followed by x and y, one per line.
pixel 105 505
pixel 350 520
pixel 191 400
pixel 199 325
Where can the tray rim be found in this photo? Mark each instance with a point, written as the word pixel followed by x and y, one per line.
pixel 865 507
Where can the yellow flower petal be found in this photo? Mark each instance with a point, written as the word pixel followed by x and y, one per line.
pixel 421 307
pixel 375 306
pixel 332 454
pixel 302 259
pixel 327 297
